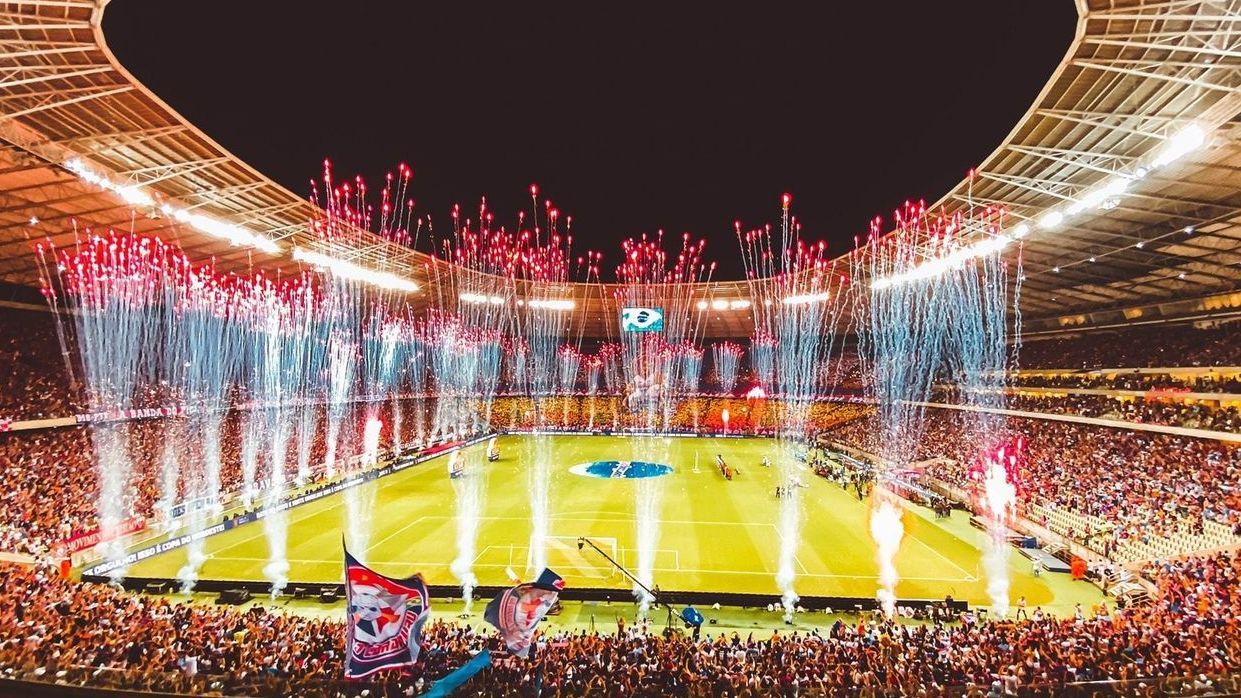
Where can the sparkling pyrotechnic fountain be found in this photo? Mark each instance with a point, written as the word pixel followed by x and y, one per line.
pixel 915 329
pixel 798 299
pixel 654 367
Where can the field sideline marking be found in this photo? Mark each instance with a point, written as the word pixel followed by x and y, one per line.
pixel 262 531
pixel 945 558
pixel 657 569
pixel 394 534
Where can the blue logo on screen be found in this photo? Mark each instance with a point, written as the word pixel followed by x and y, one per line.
pixel 621 469
pixel 642 319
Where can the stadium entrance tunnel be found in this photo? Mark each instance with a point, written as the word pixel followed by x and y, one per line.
pixel 621 469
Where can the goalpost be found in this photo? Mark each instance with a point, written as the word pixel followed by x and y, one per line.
pixel 563 554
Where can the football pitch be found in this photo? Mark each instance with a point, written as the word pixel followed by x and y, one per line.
pixel 714 534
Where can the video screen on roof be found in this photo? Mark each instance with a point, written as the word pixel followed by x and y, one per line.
pixel 642 319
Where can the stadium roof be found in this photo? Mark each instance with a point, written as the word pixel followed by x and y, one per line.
pixel 1137 74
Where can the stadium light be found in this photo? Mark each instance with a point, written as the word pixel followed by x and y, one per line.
pixel 1104 197
pixel 1051 220
pixel 806 298
pixel 135 196
pixel 1100 196
pixel 353 272
pixel 553 304
pixel 479 299
pixel 938 266
pixel 724 304
pixel 1182 143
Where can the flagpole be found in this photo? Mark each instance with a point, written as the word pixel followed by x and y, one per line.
pixel 583 541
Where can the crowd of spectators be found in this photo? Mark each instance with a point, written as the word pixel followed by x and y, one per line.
pixel 52 479
pixel 690 414
pixel 1211 382
pixel 59 631
pixel 1143 484
pixel 1191 414
pixel 1206 585
pixel 1137 347
pixel 34 383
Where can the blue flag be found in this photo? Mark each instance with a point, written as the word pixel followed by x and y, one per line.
pixel 451 682
pixel 515 612
pixel 385 618
pixel 692 616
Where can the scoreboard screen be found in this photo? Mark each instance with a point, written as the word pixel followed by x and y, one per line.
pixel 642 319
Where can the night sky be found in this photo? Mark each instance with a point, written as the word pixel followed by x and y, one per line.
pixel 630 118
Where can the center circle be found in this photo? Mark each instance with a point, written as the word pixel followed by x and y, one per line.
pixel 621 469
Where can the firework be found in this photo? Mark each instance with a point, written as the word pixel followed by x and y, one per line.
pixel 650 276
pixel 915 327
pixel 799 299
pixel 727 358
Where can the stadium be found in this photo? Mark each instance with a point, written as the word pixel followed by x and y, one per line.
pixel 265 442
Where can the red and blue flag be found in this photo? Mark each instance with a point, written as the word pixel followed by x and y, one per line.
pixel 516 611
pixel 385 618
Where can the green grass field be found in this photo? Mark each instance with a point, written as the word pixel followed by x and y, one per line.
pixel 715 535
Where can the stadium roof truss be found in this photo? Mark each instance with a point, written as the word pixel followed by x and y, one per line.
pixel 1136 74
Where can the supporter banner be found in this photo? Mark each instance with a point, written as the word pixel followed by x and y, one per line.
pixel 170 544
pixel 179 510
pixel 515 612
pixel 1158 394
pixel 94 537
pixel 123 415
pixel 385 618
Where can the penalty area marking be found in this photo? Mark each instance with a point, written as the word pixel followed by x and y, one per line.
pixel 621 558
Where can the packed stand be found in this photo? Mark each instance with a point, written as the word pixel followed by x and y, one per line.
pixel 1139 347
pixel 34 383
pixel 1165 412
pixel 52 481
pixel 1212 382
pixel 53 630
pixel 1140 485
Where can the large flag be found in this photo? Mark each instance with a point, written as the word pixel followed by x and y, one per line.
pixel 516 611
pixel 385 620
